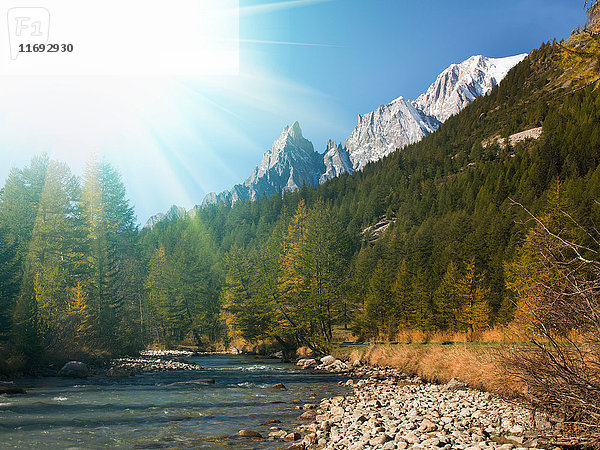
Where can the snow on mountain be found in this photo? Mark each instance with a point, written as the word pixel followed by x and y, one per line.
pixel 386 129
pixel 336 160
pixel 403 122
pixel 460 84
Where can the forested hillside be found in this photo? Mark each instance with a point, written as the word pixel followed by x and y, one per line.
pixel 77 277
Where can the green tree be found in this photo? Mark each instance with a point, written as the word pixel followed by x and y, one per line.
pixel 421 301
pixel 403 297
pixel 446 299
pixel 473 311
pixel 379 303
pixel 112 255
pixel 55 255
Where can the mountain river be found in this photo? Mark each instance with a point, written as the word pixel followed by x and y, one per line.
pixel 145 412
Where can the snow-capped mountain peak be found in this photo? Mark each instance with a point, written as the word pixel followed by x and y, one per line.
pixel 403 122
pixel 460 84
pixel 336 160
pixel 291 163
pixel 386 129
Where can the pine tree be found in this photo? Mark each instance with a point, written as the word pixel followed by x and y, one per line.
pixel 19 200
pixel 55 253
pixel 472 312
pixel 79 316
pixel 421 301
pixel 9 281
pixel 380 302
pixel 110 227
pixel 157 289
pixel 26 332
pixel 403 301
pixel 446 299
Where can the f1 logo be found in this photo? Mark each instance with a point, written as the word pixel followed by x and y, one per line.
pixel 27 26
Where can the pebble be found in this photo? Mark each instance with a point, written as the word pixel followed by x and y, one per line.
pixel 389 410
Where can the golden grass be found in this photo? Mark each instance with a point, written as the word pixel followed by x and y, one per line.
pixel 498 334
pixel 478 366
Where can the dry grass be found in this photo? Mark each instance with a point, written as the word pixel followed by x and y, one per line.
pixel 478 366
pixel 496 335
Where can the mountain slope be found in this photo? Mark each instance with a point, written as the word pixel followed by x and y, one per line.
pixel 449 202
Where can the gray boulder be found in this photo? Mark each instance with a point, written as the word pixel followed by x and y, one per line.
pixel 74 369
pixel 307 363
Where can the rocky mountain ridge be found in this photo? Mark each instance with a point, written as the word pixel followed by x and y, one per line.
pixel 292 160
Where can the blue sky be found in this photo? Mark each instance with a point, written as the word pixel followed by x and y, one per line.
pixel 319 62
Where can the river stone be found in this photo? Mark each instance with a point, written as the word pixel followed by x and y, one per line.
pixel 380 440
pixel 10 388
pixel 294 436
pixel 296 446
pixel 427 426
pixel 411 438
pixel 267 422
pixel 74 369
pixel 311 414
pixel 327 360
pixel 278 386
pixel 249 433
pixel 307 363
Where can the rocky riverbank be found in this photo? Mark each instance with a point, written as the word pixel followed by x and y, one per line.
pixel 390 410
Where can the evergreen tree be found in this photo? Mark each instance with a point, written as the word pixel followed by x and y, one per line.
pixel 446 299
pixel 55 252
pixel 379 303
pixel 403 300
pixel 473 309
pixel 421 301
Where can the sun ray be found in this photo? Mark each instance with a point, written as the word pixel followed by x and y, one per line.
pixel 301 44
pixel 277 6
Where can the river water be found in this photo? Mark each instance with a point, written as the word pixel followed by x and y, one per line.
pixel 144 412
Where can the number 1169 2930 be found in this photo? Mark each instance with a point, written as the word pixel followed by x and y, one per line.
pixel 45 48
